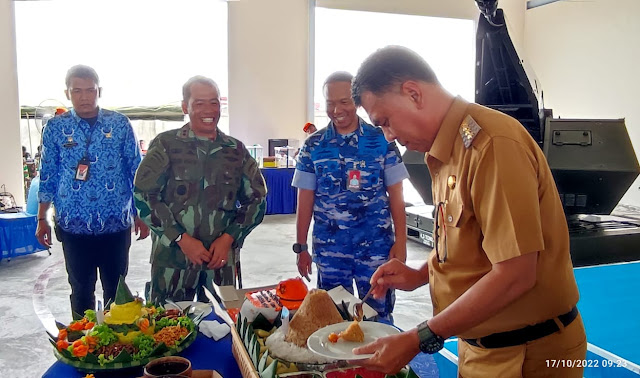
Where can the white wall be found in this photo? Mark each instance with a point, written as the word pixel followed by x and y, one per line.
pixel 586 55
pixel 11 174
pixel 268 74
pixel 514 12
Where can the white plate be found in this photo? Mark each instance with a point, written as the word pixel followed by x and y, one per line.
pixel 319 343
pixel 196 307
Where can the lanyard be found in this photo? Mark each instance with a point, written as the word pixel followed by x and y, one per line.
pixel 88 137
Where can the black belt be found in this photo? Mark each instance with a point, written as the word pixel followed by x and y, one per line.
pixel 524 335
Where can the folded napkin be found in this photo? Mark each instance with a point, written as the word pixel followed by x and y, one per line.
pixel 214 329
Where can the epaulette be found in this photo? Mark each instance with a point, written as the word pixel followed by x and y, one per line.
pixel 184 133
pixel 469 128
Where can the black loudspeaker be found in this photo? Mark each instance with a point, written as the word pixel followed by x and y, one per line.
pixel 273 143
pixel 592 161
pixel 418 174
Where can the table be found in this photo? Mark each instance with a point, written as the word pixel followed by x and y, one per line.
pixel 282 198
pixel 18 235
pixel 207 354
pixel 204 354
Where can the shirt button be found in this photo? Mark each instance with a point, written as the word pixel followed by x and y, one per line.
pixel 450 218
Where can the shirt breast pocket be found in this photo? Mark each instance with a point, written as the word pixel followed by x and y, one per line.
pixel 70 155
pixel 183 189
pixel 223 192
pixel 328 176
pixel 453 212
pixel 372 175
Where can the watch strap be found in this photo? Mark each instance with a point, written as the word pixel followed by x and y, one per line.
pixel 429 342
pixel 297 247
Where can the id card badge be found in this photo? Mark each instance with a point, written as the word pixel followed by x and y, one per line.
pixel 82 171
pixel 354 180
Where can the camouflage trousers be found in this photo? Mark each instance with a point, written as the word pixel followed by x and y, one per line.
pixel 342 269
pixel 187 284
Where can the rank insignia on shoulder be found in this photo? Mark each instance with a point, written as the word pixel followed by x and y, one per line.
pixel 469 128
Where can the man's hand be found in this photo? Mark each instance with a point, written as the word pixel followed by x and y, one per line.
pixel 194 249
pixel 43 233
pixel 395 274
pixel 219 251
pixel 140 228
pixel 391 353
pixel 398 251
pixel 303 259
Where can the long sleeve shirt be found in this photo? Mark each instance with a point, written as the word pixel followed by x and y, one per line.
pixel 199 186
pixel 104 202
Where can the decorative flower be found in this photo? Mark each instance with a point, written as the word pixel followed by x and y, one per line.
pixel 62 344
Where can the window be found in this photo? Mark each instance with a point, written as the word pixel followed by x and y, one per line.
pixel 143 51
pixel 343 39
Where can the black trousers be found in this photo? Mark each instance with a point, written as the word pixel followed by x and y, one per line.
pixel 85 255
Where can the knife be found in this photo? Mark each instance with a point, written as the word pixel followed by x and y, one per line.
pixel 218 308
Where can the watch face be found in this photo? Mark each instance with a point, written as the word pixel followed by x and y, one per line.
pixel 429 341
pixel 431 346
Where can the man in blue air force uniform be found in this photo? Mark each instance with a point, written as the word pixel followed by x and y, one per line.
pixel 350 181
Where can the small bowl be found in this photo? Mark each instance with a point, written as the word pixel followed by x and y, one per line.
pixel 168 366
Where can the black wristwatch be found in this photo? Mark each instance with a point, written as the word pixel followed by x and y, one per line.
pixel 297 247
pixel 429 342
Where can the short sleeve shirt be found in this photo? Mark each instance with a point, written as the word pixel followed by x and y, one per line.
pixel 324 164
pixel 499 201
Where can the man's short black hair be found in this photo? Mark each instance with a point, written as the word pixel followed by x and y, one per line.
pixel 186 88
pixel 389 66
pixel 337 77
pixel 83 72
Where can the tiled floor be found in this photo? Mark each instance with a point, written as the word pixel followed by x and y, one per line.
pixel 266 259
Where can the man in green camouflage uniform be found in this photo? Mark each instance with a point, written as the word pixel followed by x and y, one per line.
pixel 201 193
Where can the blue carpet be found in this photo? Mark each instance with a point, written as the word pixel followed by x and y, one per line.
pixel 610 308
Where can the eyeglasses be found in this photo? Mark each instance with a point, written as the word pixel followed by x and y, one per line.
pixel 439 223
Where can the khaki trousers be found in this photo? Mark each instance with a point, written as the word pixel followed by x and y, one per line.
pixel 548 357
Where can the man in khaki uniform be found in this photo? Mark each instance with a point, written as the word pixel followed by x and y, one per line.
pixel 500 274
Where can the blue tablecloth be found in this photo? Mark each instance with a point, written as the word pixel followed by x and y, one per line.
pixel 207 354
pixel 282 198
pixel 204 354
pixel 17 235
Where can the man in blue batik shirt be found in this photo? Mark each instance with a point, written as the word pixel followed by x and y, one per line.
pixel 89 159
pixel 349 179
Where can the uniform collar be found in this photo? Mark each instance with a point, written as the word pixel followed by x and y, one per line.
pixel 331 129
pixel 448 132
pixel 185 132
pixel 78 118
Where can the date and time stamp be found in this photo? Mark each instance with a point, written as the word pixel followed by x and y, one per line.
pixel 586 363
